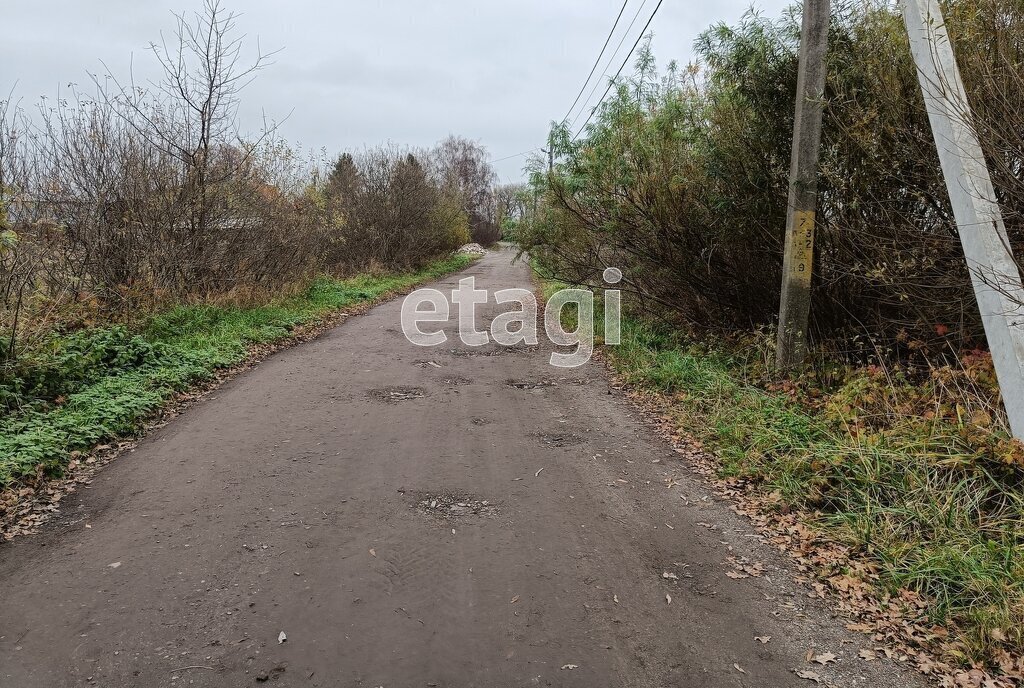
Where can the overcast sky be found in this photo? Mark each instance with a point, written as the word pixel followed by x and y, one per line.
pixel 358 73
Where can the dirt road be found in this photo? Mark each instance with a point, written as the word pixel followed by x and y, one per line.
pixel 485 534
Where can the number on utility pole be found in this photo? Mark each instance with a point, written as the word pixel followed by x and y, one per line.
pixel 994 273
pixel 797 264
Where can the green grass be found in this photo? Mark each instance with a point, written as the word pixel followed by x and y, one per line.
pixel 83 388
pixel 935 504
pixel 933 509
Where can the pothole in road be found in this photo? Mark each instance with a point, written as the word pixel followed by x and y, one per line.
pixel 493 350
pixel 393 395
pixel 559 439
pixel 519 349
pixel 529 384
pixel 454 380
pixel 464 353
pixel 453 505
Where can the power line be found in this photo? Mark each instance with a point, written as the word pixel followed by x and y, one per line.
pixel 598 83
pixel 621 67
pixel 611 58
pixel 509 157
pixel 598 60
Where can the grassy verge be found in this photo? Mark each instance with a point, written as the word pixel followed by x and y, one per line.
pixel 912 472
pixel 92 385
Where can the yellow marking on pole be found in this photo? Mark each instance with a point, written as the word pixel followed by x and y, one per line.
pixel 803 246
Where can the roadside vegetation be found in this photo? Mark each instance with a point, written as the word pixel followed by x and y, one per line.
pixel 910 476
pixel 78 389
pixel 892 441
pixel 899 471
pixel 147 241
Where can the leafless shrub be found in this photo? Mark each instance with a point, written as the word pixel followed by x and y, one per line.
pixel 463 169
pixel 681 179
pixel 20 261
pixel 388 210
pixel 137 195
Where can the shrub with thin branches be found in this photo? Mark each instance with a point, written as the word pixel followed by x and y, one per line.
pixel 129 197
pixel 682 180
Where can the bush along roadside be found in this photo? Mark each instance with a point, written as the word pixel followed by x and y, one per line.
pixel 80 389
pixel 901 490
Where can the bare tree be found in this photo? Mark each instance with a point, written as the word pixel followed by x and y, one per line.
pixel 393 212
pixel 463 169
pixel 139 195
pixel 14 270
pixel 191 111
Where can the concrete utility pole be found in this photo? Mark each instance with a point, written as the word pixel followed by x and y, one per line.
pixel 803 187
pixel 994 273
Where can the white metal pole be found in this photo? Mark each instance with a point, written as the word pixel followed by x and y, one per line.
pixel 994 273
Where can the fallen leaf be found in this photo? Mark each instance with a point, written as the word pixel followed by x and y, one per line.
pixel 570 666
pixel 867 654
pixel 615 599
pixel 514 600
pixel 373 552
pixel 668 599
pixel 808 675
pixel 824 658
pixel 670 576
pixel 763 639
pixel 281 637
pixel 738 668
pixel 537 473
pixel 114 565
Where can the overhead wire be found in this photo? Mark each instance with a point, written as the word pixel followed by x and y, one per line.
pixel 611 58
pixel 598 60
pixel 589 76
pixel 611 82
pixel 509 157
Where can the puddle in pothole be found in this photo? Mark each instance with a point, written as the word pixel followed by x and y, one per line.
pixel 393 395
